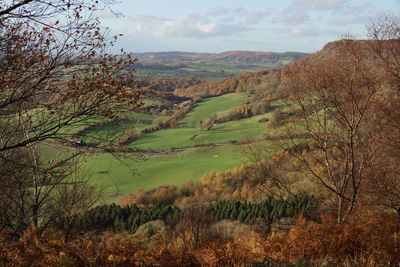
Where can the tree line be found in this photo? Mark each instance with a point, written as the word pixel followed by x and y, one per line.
pixel 128 218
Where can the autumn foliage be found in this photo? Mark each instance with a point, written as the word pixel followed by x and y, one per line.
pixel 331 199
pixel 266 83
pixel 369 240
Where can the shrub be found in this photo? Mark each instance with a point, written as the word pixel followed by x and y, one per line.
pixel 373 238
pixel 277 118
pixel 130 135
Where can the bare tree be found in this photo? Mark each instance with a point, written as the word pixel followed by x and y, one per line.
pixel 384 33
pixel 194 226
pixel 56 72
pixel 71 201
pixel 333 102
pixel 270 169
pixel 26 186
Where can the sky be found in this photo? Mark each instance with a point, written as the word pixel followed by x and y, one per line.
pixel 247 25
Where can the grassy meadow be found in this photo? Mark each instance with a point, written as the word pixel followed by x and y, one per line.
pixel 214 105
pixel 119 175
pixel 173 155
pixel 208 71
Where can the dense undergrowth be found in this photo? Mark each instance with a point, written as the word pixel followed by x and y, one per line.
pixel 368 240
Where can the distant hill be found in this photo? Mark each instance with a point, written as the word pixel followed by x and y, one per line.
pixel 232 57
pixel 266 82
pixel 256 57
pixel 208 66
pixel 172 56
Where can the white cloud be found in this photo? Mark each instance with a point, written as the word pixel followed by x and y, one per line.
pixel 240 11
pixel 290 18
pixel 304 31
pixel 147 19
pixel 219 21
pixel 107 14
pixel 312 31
pixel 194 25
pixel 136 29
pixel 196 29
pixel 350 19
pixel 254 18
pixel 318 4
pixel 218 11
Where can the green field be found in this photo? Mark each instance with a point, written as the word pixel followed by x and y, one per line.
pixel 215 105
pixel 174 155
pixel 184 137
pixel 189 134
pixel 131 115
pixel 98 134
pixel 207 71
pixel 104 131
pixel 121 176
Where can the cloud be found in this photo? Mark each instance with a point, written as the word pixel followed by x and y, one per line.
pixel 317 4
pixel 240 11
pixel 136 29
pixel 194 25
pixel 199 30
pixel 290 18
pixel 218 11
pixel 350 19
pixel 147 19
pixel 218 21
pixel 107 14
pixel 254 18
pixel 304 31
pixel 311 31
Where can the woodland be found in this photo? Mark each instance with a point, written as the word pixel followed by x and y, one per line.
pixel 320 185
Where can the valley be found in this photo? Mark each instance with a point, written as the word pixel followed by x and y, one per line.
pixel 209 66
pixel 168 156
pixel 110 157
pixel 150 147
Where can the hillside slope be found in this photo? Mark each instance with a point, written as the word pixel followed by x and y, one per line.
pixel 266 83
pixel 227 57
pixel 256 57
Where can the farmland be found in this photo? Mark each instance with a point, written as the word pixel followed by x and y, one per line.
pixel 207 71
pixel 208 66
pixel 113 155
pixel 121 176
pixel 169 156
